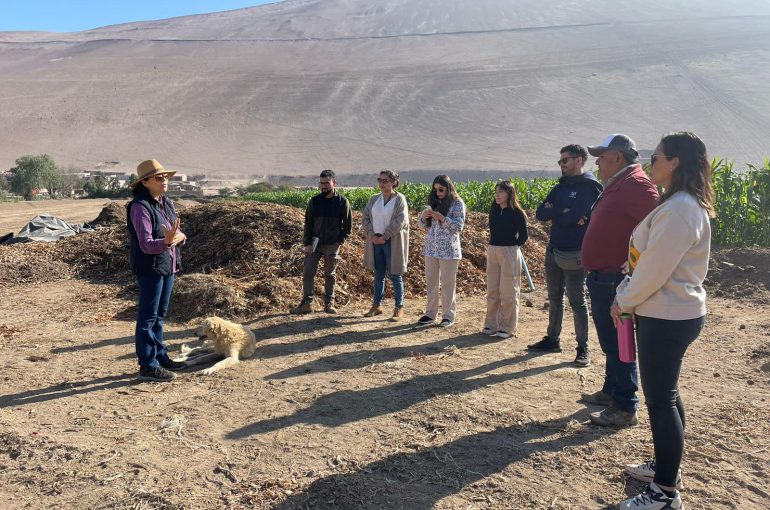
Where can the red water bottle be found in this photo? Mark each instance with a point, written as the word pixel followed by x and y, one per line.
pixel 626 341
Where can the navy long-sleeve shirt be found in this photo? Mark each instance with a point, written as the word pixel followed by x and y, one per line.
pixel 571 200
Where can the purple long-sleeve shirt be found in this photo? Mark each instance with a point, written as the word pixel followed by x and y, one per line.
pixel 142 222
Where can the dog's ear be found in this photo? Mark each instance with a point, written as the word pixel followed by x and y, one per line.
pixel 217 326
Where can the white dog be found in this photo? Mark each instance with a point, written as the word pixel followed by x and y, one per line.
pixel 223 339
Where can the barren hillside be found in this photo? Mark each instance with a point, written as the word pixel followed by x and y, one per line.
pixel 355 85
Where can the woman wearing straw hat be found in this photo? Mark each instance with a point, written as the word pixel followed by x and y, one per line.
pixel 155 236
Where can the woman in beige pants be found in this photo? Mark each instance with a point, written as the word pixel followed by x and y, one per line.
pixel 508 232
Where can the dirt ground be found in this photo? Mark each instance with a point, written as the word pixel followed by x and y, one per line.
pixel 344 412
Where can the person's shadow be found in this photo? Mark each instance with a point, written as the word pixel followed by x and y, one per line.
pixel 346 406
pixel 420 479
pixel 366 357
pixel 68 389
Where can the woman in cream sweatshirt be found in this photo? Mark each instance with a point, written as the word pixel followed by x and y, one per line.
pixel 668 261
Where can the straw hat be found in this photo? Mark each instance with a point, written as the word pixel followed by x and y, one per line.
pixel 150 168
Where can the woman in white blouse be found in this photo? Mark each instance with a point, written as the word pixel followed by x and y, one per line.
pixel 386 225
pixel 444 217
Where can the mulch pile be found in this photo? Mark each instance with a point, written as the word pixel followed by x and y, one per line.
pixel 245 258
pixel 112 214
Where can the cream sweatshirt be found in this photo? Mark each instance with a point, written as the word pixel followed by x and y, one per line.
pixel 668 261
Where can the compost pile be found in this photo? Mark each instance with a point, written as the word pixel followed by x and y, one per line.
pixel 245 258
pixel 739 273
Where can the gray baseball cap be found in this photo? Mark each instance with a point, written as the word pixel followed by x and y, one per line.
pixel 616 142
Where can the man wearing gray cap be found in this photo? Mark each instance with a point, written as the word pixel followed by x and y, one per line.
pixel 628 197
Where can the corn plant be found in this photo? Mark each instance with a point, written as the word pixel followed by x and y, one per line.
pixel 742 200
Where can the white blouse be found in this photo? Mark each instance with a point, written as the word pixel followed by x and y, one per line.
pixel 382 213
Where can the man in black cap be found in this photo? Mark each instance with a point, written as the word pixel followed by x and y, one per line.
pixel 628 197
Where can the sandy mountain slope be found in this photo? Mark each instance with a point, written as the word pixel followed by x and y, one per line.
pixel 357 85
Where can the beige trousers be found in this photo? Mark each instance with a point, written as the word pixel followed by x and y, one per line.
pixel 440 273
pixel 503 286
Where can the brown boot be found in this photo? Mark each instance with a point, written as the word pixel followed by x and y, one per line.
pixel 303 308
pixel 398 314
pixel 329 308
pixel 374 310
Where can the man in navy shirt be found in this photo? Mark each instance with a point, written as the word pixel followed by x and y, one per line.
pixel 568 208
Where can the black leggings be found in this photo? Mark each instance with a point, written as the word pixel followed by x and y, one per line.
pixel 662 344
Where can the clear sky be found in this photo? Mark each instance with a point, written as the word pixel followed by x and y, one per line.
pixel 76 15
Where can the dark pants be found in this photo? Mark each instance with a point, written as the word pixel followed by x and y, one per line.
pixel 154 294
pixel 330 254
pixel 381 267
pixel 621 380
pixel 662 344
pixel 557 280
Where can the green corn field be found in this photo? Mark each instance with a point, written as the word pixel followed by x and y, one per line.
pixel 742 200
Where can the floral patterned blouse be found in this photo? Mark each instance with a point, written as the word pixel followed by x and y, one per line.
pixel 443 238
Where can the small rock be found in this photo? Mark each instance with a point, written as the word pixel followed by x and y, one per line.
pixel 717 374
pixel 750 382
pixel 742 326
pixel 545 305
pixel 529 303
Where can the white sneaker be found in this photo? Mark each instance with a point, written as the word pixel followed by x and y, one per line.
pixel 645 472
pixel 487 331
pixel 653 499
pixel 503 334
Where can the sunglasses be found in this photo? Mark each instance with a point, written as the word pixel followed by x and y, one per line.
pixel 563 161
pixel 161 178
pixel 380 179
pixel 439 190
pixel 654 158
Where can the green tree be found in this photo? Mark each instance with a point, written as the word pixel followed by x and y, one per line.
pixel 53 180
pixel 32 173
pixel 225 192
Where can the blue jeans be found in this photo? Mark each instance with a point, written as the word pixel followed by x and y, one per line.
pixel 381 266
pixel 154 294
pixel 557 280
pixel 662 344
pixel 621 380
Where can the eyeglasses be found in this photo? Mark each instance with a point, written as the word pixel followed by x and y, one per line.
pixel 380 180
pixel 654 157
pixel 161 178
pixel 563 161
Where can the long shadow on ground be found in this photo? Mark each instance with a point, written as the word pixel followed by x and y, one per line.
pixel 348 406
pixel 69 389
pixel 418 480
pixel 123 340
pixel 362 358
pixel 342 337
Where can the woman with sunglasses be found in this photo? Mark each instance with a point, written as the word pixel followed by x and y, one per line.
pixel 444 217
pixel 386 225
pixel 508 232
pixel 668 261
pixel 155 236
